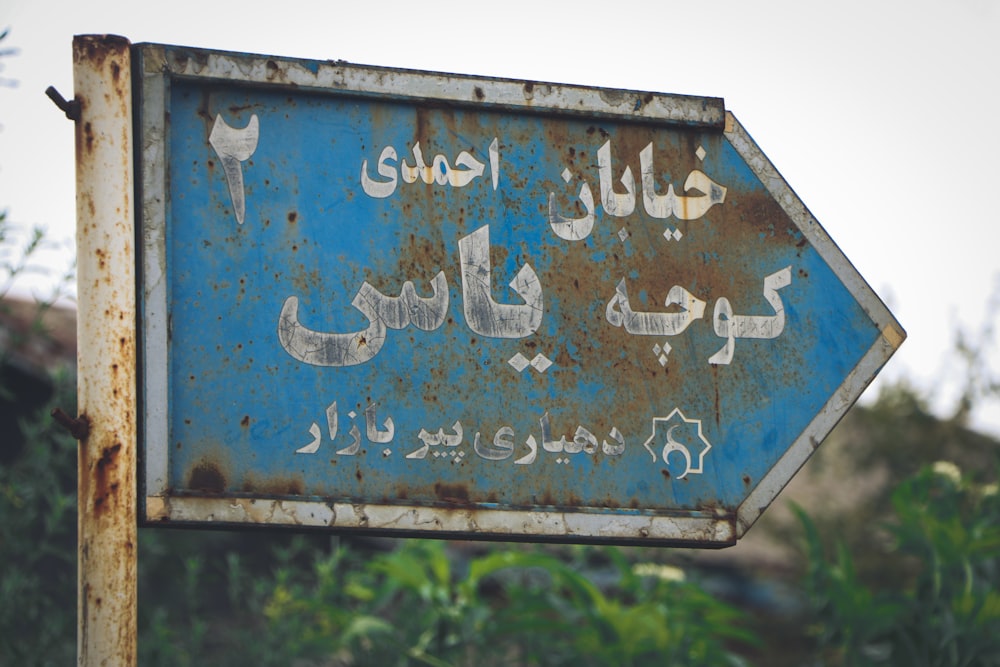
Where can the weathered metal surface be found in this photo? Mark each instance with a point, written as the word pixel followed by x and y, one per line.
pixel 403 301
pixel 106 352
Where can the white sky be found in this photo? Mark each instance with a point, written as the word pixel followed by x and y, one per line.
pixel 881 115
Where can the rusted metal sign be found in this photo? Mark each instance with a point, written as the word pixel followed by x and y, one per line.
pixel 425 303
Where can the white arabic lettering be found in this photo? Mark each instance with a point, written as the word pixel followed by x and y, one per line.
pixel 350 349
pixel 435 439
pixel 485 316
pixel 235 146
pixel 502 446
pixel 439 171
pixel 615 204
pixel 654 324
pixel 619 313
pixel 684 208
pixel 731 326
pixel 573 229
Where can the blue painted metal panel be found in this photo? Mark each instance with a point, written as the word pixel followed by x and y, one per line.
pixel 406 302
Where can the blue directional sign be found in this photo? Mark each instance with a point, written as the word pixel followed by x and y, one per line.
pixel 433 304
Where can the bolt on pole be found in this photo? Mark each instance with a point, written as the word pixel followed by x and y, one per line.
pixel 106 357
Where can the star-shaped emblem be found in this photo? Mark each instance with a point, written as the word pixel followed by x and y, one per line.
pixel 663 432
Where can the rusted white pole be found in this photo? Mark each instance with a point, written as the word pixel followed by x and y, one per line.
pixel 106 356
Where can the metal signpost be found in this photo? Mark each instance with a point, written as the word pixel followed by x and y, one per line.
pixel 444 305
pixel 106 352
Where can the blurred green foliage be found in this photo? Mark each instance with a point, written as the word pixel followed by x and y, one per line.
pixel 945 608
pixel 508 607
pixel 419 604
pixel 38 545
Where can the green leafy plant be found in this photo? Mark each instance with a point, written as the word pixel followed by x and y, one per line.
pixel 946 609
pixel 38 543
pixel 507 607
